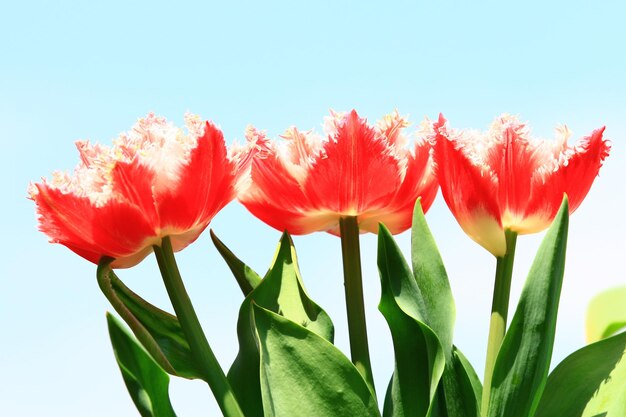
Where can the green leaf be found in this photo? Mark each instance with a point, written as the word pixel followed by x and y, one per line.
pixel 158 331
pixel 419 356
pixel 437 302
pixel 606 314
pixel 591 382
pixel 282 292
pixel 245 276
pixel 523 362
pixel 419 308
pixel 468 381
pixel 303 374
pixel 462 390
pixel 146 382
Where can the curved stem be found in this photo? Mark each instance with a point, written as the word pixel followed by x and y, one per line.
pixel 200 349
pixel 353 283
pixel 499 312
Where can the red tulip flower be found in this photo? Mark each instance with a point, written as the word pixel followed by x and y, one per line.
pixel 506 180
pixel 155 181
pixel 307 183
pixel 350 181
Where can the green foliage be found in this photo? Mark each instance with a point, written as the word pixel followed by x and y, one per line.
pixel 158 331
pixel 470 388
pixel 146 382
pixel 303 374
pixel 419 355
pixel 523 362
pixel 419 309
pixel 246 277
pixel 282 292
pixel 591 382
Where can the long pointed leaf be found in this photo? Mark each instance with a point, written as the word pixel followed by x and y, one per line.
pixel 462 389
pixel 146 382
pixel 245 276
pixel 419 356
pixel 590 382
pixel 303 374
pixel 440 313
pixel 431 277
pixel 282 292
pixel 158 331
pixel 419 308
pixel 469 381
pixel 523 362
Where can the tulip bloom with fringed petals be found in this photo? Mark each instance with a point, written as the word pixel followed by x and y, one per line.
pixel 155 181
pixel 307 183
pixel 504 179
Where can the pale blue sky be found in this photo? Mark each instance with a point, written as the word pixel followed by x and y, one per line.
pixel 71 70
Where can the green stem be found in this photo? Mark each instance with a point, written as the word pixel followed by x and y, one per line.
pixel 353 283
pixel 200 349
pixel 499 312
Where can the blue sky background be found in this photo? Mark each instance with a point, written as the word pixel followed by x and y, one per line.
pixel 71 70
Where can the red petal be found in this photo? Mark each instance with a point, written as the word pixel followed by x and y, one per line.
pixel 295 222
pixel 64 217
pixel 206 185
pixel 122 230
pixel 358 173
pixel 134 181
pixel 469 195
pixel 583 167
pixel 574 178
pixel 275 197
pixel 116 229
pixel 513 162
pixel 419 181
pixel 84 253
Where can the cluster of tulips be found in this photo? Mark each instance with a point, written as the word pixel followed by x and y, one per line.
pixel 156 189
